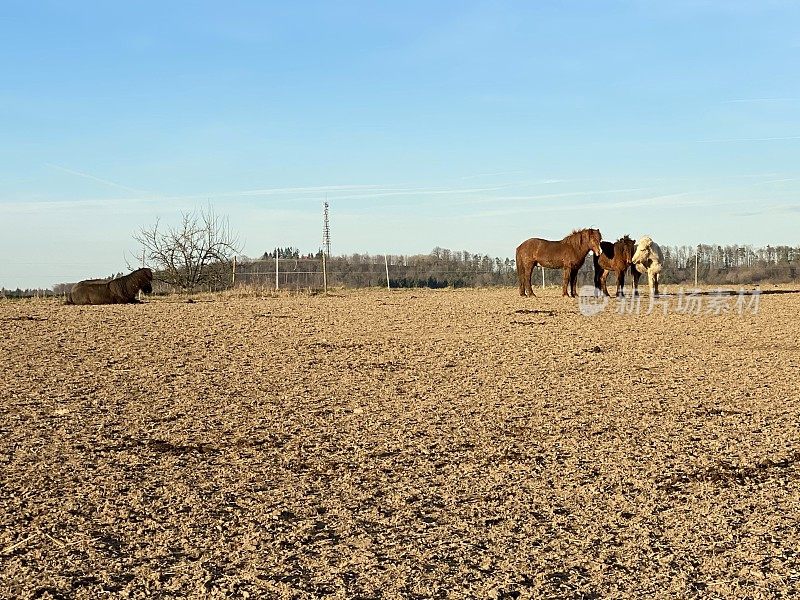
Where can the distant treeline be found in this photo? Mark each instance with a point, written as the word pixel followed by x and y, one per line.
pixel 59 289
pixel 27 293
pixel 731 265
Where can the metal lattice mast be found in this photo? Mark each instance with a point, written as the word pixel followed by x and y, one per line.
pixel 326 231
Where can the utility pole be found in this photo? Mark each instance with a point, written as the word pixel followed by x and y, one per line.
pixel 326 229
pixel 696 257
pixel 326 243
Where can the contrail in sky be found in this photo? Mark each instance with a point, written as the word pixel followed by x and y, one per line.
pixel 93 178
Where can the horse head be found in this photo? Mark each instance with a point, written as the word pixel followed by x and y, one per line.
pixel 594 237
pixel 642 249
pixel 628 248
pixel 145 280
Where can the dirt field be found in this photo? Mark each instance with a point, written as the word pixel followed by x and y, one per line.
pixel 413 444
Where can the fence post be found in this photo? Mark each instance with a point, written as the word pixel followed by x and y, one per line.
pixel 233 273
pixel 386 264
pixel 540 266
pixel 276 269
pixel 140 294
pixel 696 254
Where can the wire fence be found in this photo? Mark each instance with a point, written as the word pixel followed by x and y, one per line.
pixel 390 271
pixel 314 273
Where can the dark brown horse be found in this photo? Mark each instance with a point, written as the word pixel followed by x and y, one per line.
pixel 567 254
pixel 122 290
pixel 614 257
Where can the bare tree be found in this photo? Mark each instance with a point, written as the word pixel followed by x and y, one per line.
pixel 197 252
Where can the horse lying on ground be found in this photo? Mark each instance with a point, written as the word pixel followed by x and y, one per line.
pixel 122 290
pixel 649 259
pixel 614 257
pixel 567 254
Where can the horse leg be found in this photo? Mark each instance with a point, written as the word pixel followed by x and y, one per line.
pixel 621 282
pixel 521 278
pixel 603 284
pixel 528 276
pixel 573 281
pixel 525 272
pixel 566 282
pixel 636 275
pixel 598 275
pixel 651 280
pixel 655 281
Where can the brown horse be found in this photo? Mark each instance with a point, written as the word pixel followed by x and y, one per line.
pixel 614 257
pixel 567 254
pixel 122 290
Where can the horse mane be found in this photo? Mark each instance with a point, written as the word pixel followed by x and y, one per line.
pixel 575 237
pixel 576 232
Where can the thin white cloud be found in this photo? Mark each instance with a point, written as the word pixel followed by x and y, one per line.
pixel 762 139
pixel 153 198
pixel 337 192
pixel 307 193
pixel 498 174
pixel 94 178
pixel 757 100
pixel 226 194
pixel 775 181
pixel 44 206
pixel 677 199
pixel 534 197
pixel 299 198
pixel 295 190
pixel 423 191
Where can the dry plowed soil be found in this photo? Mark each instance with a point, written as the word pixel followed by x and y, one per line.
pixel 404 444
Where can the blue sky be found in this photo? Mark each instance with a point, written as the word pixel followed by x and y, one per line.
pixel 467 125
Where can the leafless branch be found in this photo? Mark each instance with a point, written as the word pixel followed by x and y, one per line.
pixel 196 252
